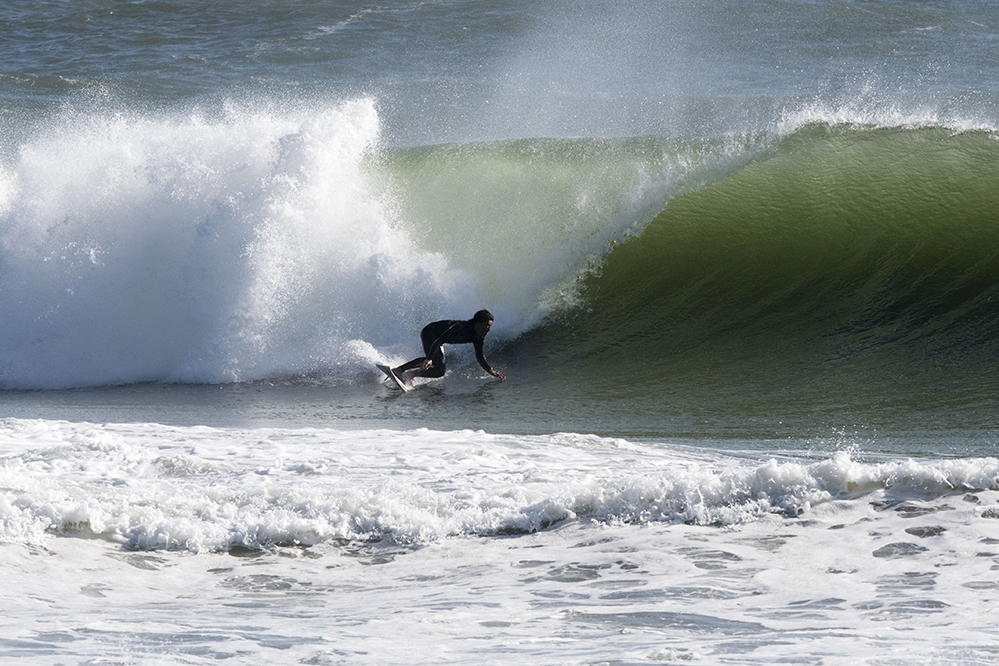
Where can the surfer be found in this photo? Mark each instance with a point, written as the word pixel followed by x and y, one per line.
pixel 448 332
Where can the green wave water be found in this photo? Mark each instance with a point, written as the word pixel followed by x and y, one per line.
pixel 850 268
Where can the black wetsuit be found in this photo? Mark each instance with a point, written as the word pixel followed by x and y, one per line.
pixel 446 332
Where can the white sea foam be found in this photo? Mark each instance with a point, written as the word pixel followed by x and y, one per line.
pixel 140 248
pixel 431 547
pixel 874 109
pixel 152 487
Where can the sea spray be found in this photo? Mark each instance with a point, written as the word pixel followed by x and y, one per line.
pixel 138 248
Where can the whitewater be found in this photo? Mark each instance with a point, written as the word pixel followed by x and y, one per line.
pixel 155 544
pixel 261 244
pixel 744 263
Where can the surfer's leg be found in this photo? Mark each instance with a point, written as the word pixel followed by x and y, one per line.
pixel 415 363
pixel 437 369
pixel 427 336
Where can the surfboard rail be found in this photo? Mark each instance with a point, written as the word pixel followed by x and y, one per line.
pixel 391 375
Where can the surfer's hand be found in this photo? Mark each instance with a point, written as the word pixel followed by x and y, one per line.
pixel 426 364
pixel 498 376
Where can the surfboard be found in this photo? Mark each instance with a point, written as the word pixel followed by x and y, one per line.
pixel 391 375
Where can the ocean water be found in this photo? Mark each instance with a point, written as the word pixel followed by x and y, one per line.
pixel 744 263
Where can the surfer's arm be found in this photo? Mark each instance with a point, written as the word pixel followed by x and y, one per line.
pixel 481 358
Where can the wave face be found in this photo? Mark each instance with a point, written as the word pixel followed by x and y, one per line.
pixel 846 257
pixel 257 243
pixel 261 243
